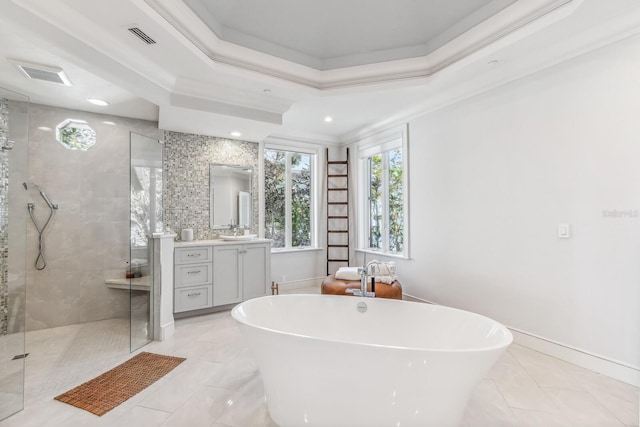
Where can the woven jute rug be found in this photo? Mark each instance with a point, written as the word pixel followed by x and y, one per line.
pixel 105 392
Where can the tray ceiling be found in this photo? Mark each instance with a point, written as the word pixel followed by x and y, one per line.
pixel 335 33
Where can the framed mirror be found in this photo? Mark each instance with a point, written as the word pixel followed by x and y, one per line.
pixel 230 191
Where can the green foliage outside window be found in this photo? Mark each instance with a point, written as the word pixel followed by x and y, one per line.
pixel 375 201
pixel 396 202
pixel 301 200
pixel 146 203
pixel 275 200
pixel 75 135
pixel 280 166
pixel 386 201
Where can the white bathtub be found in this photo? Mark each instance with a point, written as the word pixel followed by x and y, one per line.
pixel 400 363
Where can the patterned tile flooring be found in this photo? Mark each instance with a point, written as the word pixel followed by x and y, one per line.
pixel 219 385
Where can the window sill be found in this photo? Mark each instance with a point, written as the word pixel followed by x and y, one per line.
pixel 382 254
pixel 289 250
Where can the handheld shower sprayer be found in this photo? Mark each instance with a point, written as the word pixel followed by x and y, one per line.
pixel 28 185
pixel 40 263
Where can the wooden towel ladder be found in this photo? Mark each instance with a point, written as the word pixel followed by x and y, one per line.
pixel 337 213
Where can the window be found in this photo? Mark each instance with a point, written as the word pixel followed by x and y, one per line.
pixel 146 203
pixel 383 183
pixel 288 182
pixel 75 135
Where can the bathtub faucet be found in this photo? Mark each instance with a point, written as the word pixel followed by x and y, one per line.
pixel 362 292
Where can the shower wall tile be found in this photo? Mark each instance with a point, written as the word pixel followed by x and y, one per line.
pixel 4 220
pixel 186 160
pixel 88 241
pixel 18 173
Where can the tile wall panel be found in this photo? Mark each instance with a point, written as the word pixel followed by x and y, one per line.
pixel 4 217
pixel 186 161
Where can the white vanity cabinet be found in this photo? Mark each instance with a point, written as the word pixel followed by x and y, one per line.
pixel 240 272
pixel 217 273
pixel 193 279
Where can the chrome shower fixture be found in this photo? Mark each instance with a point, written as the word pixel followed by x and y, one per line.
pixel 28 185
pixel 40 263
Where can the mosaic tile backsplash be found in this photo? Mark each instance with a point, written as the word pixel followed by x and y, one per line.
pixel 4 216
pixel 186 161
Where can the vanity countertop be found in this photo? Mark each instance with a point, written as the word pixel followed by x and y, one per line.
pixel 220 242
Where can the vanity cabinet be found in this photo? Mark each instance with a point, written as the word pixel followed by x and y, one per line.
pixel 193 279
pixel 219 273
pixel 240 272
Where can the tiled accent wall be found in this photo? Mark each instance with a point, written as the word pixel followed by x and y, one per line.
pixel 4 217
pixel 186 162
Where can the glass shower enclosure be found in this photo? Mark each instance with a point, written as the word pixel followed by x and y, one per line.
pixel 14 116
pixel 146 219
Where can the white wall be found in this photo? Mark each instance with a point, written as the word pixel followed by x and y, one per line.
pixel 492 177
pixel 298 268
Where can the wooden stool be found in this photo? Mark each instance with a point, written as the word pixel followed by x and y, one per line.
pixel 333 286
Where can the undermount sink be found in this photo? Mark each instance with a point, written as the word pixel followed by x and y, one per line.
pixel 240 237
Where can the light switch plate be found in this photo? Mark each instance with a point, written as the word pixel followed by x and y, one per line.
pixel 563 231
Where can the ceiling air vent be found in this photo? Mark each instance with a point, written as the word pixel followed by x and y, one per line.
pixel 141 35
pixel 43 72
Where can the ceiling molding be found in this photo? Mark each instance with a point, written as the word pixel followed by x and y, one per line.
pixel 497 28
pixel 223 94
pixel 196 121
pixel 598 36
pixel 287 136
pixel 210 106
pixel 419 28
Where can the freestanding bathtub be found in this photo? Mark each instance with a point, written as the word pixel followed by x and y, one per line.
pixel 328 360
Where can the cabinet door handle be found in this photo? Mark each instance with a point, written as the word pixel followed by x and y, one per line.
pixel 192 255
pixel 194 272
pixel 194 295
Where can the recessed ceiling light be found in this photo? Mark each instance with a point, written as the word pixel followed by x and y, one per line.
pixel 107 122
pixel 96 101
pixel 44 128
pixel 267 91
pixel 493 62
pixel 236 134
pixel 328 119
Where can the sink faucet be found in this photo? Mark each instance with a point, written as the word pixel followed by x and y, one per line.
pixel 362 292
pixel 233 227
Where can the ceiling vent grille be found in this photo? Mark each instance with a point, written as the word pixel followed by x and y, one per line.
pixel 141 35
pixel 43 72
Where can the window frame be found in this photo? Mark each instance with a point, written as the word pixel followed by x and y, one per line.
pixel 289 150
pixel 382 143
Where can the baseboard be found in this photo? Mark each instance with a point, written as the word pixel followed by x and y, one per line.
pixel 603 365
pixel 166 331
pixel 407 297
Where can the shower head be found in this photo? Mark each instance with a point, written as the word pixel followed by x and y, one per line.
pixel 27 185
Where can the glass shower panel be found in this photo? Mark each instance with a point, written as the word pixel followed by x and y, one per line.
pixel 14 116
pixel 146 219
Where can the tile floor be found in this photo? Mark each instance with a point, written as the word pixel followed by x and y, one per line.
pixel 219 385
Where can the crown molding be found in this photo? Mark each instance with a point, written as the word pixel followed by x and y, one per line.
pixel 595 37
pixel 499 27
